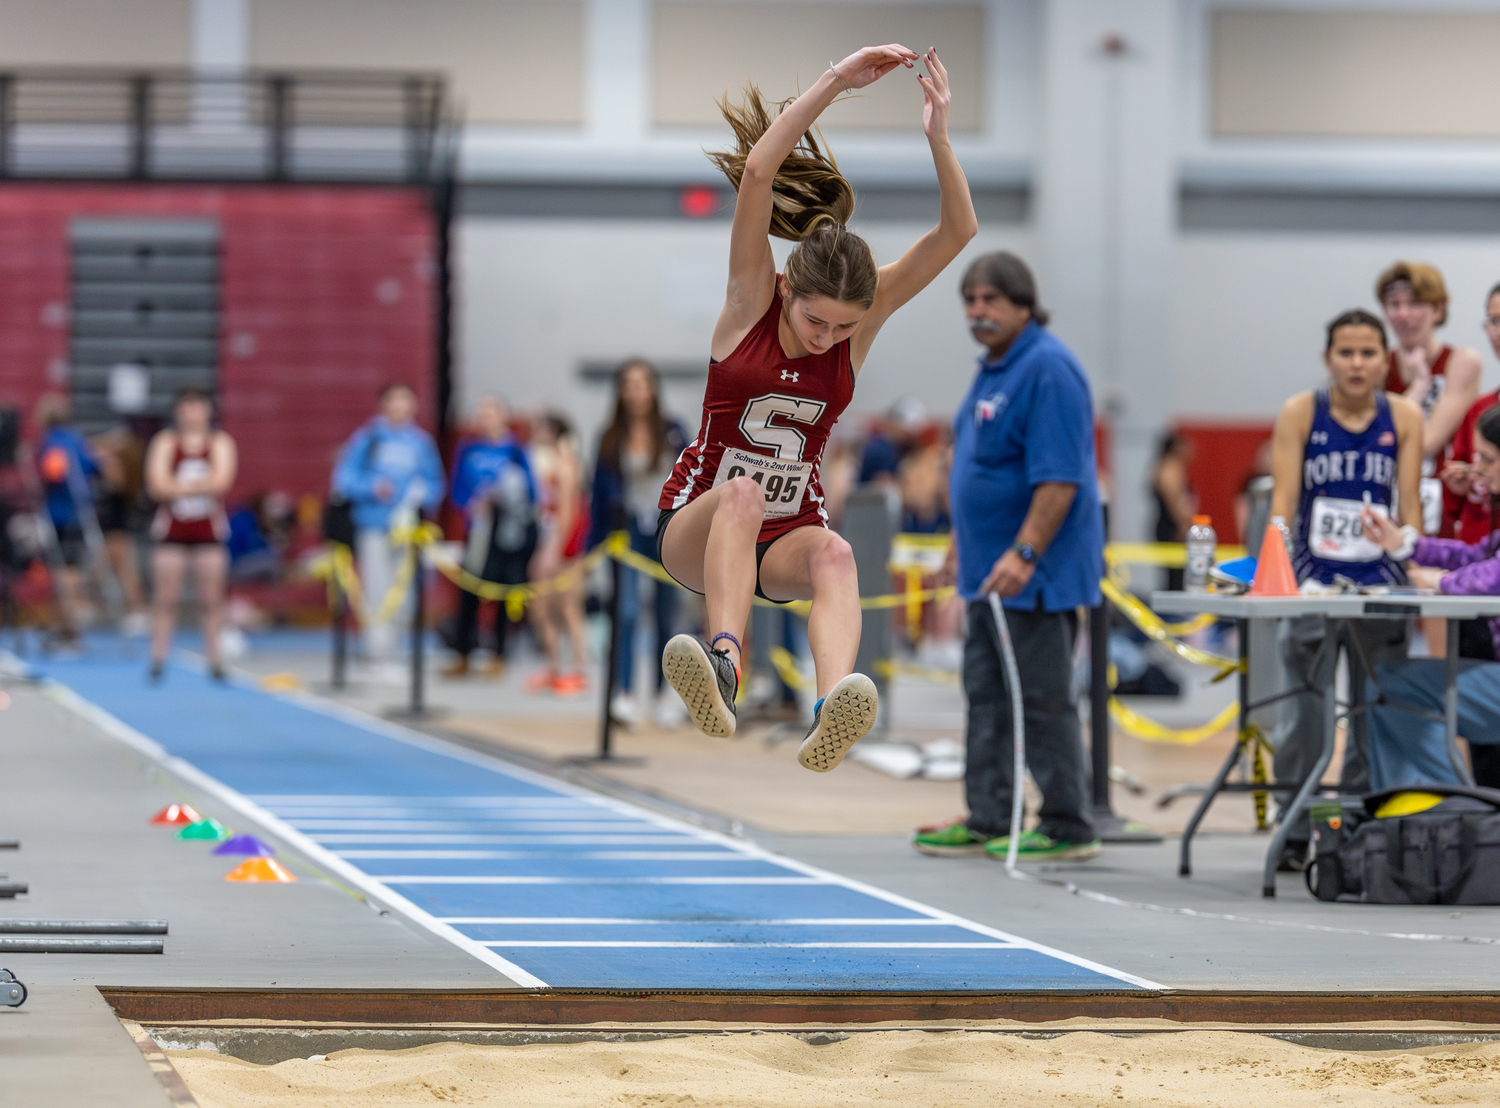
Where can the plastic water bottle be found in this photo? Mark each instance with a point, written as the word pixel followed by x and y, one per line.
pixel 1201 545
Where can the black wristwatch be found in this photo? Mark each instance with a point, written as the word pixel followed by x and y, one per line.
pixel 1027 552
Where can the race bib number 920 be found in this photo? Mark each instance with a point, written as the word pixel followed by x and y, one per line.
pixel 1336 533
pixel 782 483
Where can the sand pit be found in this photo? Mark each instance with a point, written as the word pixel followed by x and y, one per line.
pixel 951 1069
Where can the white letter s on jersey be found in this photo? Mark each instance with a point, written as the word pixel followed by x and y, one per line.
pixel 787 442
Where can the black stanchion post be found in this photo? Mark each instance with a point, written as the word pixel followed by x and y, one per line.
pixel 1110 827
pixel 418 633
pixel 611 666
pixel 1099 706
pixel 340 635
pixel 606 751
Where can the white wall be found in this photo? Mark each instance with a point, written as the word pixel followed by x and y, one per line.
pixel 1248 310
pixel 538 297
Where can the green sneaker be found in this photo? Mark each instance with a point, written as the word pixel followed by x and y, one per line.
pixel 953 839
pixel 1036 847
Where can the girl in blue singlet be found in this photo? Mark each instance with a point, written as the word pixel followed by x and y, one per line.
pixel 1332 448
pixel 1343 472
pixel 1342 450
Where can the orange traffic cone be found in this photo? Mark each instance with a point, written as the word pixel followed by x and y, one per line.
pixel 259 869
pixel 176 813
pixel 1274 575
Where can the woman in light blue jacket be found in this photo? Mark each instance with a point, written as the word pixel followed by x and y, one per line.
pixel 389 471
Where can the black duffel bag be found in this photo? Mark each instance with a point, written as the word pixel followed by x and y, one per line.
pixel 1445 854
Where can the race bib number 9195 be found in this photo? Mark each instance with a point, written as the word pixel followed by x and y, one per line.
pixel 782 483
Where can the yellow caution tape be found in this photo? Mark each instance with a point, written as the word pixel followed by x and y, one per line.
pixel 785 663
pixel 627 557
pixel 1151 625
pixel 1166 555
pixel 516 597
pixel 1133 723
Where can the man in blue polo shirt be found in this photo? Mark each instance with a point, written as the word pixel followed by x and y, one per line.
pixel 1027 526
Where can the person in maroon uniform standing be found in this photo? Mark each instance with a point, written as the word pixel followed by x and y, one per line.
pixel 1440 379
pixel 1468 510
pixel 190 466
pixel 743 512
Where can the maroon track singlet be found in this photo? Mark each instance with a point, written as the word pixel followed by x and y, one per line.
pixel 191 520
pixel 767 417
pixel 1394 383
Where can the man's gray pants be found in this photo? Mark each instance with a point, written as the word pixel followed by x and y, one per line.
pixel 1308 667
pixel 1043 644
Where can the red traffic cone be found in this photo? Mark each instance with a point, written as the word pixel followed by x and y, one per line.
pixel 176 813
pixel 1274 575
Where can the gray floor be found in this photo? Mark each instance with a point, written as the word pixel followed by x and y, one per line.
pixel 79 802
pixel 1290 943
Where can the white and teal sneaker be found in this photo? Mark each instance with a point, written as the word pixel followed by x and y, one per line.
pixel 840 720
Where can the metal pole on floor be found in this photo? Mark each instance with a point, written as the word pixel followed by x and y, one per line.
pixel 1110 827
pixel 418 633
pixel 416 707
pixel 340 636
pixel 611 666
pixel 606 751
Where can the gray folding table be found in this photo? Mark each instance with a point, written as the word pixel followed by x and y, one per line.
pixel 1340 610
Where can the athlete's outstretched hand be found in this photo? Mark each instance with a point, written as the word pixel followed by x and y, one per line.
pixel 865 67
pixel 939 98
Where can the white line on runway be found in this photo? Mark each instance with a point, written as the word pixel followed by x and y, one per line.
pixel 452 825
pixel 436 839
pixel 422 879
pixel 797 946
pixel 293 801
pixel 467 815
pixel 594 920
pixel 613 855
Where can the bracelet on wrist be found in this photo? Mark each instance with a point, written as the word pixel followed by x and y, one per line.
pixel 844 86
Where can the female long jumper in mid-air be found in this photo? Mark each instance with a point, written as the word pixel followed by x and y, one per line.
pixel 742 514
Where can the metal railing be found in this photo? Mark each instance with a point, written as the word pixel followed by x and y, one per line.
pixel 257 126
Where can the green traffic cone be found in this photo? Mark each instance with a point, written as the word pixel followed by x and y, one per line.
pixel 210 830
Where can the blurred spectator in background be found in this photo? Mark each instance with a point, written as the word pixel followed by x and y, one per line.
pixel 923 481
pixel 66 465
pixel 1468 510
pixel 259 533
pixel 1176 503
pixel 388 470
pixel 121 511
pixel 493 486
pixel 893 436
pixel 636 455
pixel 1258 483
pixel 1441 380
pixel 840 473
pixel 558 462
pixel 189 468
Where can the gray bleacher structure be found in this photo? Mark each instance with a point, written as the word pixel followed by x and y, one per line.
pixel 145 315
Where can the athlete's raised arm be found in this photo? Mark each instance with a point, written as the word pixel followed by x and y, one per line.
pixel 764 145
pixel 957 224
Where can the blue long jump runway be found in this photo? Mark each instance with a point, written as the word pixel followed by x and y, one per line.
pixel 554 886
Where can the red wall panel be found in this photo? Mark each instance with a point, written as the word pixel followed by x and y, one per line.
pixel 327 293
pixel 1223 461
